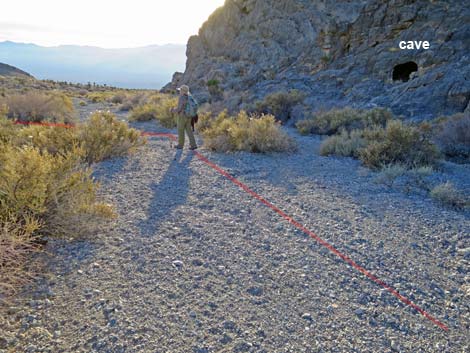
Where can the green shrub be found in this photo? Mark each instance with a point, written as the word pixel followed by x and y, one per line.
pixel 47 139
pixel 8 130
pixel 144 112
pixel 205 120
pixel 258 134
pixel 99 138
pixel 453 136
pixel 212 83
pixel 345 144
pixel 333 121
pixel 103 137
pixel 46 187
pixel 390 172
pixel 35 107
pixel 164 111
pixel 57 191
pixel 448 195
pixel 98 97
pixel 280 104
pixel 397 144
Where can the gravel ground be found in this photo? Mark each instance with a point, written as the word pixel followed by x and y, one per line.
pixel 193 264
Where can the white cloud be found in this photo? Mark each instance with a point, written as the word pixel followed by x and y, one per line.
pixel 105 23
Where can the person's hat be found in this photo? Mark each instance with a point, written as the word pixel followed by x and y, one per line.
pixel 184 89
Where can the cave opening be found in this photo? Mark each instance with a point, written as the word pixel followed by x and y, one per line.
pixel 402 72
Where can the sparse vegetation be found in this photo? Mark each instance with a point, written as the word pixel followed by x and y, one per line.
pixel 37 106
pixel 336 120
pixel 46 188
pixel 257 133
pixel 453 137
pixel 103 137
pixel 448 195
pixel 144 112
pixel 214 88
pixel 280 104
pixel 345 144
pixel 159 109
pixel 99 97
pixel 389 173
pixel 372 136
pixel 397 143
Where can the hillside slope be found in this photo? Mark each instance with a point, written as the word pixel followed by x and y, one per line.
pixel 8 70
pixel 339 53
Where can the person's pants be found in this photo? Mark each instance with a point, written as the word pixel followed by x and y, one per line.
pixel 184 124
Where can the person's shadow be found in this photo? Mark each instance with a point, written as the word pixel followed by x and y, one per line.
pixel 167 194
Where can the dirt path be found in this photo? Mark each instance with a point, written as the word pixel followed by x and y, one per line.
pixel 193 264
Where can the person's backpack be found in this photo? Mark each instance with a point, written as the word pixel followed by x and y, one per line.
pixel 191 107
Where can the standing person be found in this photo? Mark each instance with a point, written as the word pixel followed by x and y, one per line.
pixel 183 117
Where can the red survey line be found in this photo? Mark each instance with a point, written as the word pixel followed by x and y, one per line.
pixel 288 218
pixel 322 242
pixel 70 126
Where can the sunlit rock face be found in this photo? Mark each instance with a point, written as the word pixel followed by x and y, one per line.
pixel 338 52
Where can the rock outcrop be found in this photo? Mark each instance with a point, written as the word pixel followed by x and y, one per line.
pixel 339 53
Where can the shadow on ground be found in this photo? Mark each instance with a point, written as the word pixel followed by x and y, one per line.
pixel 168 194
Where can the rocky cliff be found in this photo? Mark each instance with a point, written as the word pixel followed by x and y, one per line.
pixel 339 53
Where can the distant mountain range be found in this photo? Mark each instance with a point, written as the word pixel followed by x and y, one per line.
pixel 145 67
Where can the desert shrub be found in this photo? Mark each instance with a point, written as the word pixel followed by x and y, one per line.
pixel 17 243
pixel 258 134
pixel 57 191
pixel 389 173
pixel 163 111
pixel 35 106
pixel 412 178
pixel 46 188
pixel 158 108
pixel 8 130
pixel 333 121
pixel 144 112
pixel 453 136
pixel 103 137
pixel 98 97
pixel 397 144
pixel 133 100
pixel 205 120
pixel 345 144
pixel 280 104
pixel 118 98
pixel 99 138
pixel 49 139
pixel 448 195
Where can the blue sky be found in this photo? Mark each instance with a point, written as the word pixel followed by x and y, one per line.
pixel 104 23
